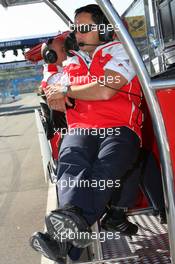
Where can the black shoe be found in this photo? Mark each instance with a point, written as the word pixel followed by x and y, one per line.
pixel 68 225
pixel 162 216
pixel 116 220
pixel 48 247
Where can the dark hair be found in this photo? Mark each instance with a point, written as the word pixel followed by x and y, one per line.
pixel 49 41
pixel 70 43
pixel 96 12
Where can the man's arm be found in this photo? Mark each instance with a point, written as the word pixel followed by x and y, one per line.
pixel 99 90
pixel 92 91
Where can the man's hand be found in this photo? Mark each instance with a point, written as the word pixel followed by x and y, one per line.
pixel 56 99
pixel 57 104
pixel 54 92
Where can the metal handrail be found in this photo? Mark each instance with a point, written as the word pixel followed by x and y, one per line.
pixel 162 84
pixel 158 124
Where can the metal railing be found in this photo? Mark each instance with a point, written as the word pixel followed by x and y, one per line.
pixel 157 119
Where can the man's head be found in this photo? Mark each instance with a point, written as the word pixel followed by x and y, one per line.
pixel 53 52
pixel 70 43
pixel 56 50
pixel 91 27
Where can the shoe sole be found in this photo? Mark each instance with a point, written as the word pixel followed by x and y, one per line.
pixel 62 228
pixel 40 246
pixel 119 231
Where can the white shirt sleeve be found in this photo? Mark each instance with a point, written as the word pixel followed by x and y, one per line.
pixel 55 78
pixel 120 62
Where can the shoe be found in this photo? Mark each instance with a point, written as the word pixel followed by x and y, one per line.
pixel 68 225
pixel 48 247
pixel 116 220
pixel 162 217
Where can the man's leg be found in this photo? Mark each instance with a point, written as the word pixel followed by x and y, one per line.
pixel 117 155
pixel 77 155
pixel 116 219
pixel 129 190
pixel 148 174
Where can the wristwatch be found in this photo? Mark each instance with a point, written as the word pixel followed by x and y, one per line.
pixel 65 88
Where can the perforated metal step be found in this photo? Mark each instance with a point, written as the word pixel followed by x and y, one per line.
pixel 150 246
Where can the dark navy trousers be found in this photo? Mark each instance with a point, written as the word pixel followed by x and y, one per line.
pixel 146 174
pixel 90 165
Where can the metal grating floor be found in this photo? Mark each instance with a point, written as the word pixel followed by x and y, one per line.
pixel 150 246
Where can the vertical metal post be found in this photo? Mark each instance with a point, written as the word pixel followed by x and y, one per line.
pixel 97 247
pixel 159 34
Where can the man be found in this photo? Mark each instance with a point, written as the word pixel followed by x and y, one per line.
pixel 103 139
pixel 54 53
